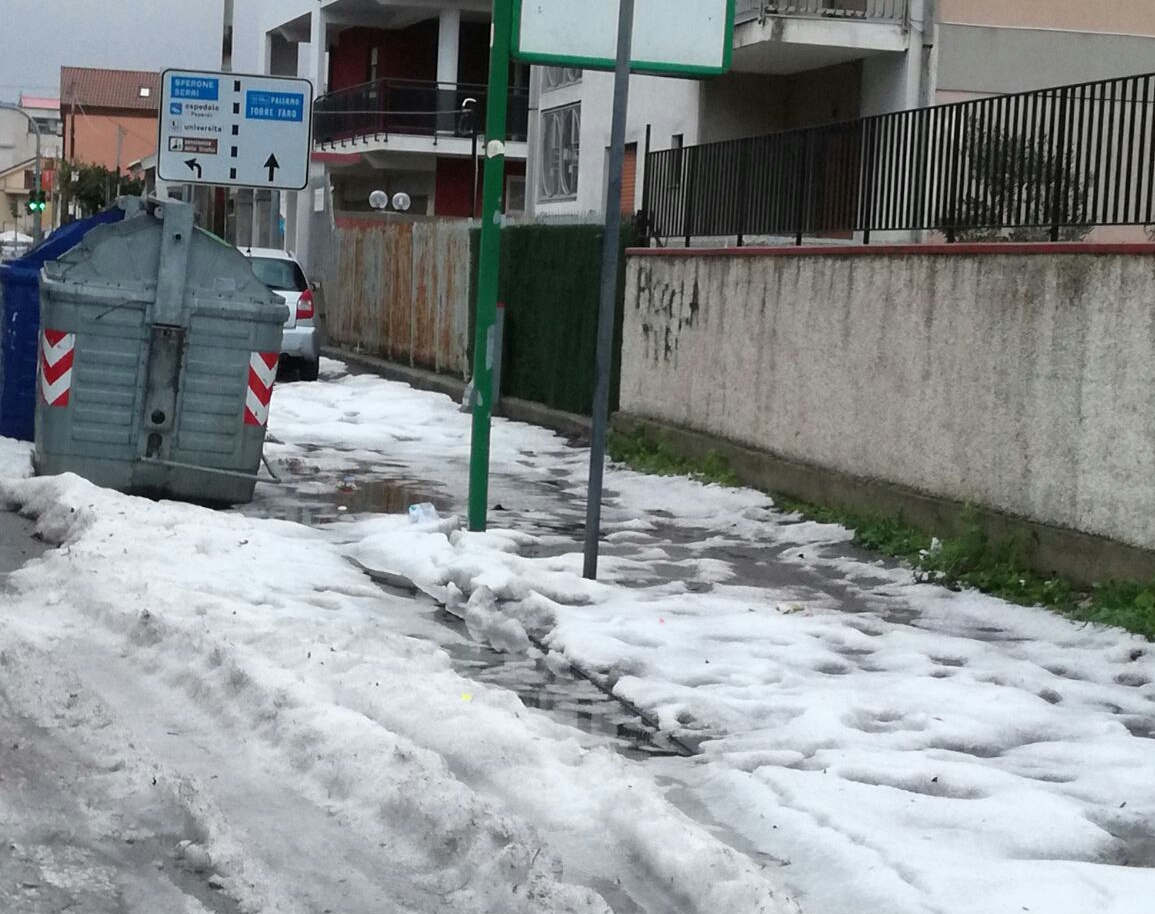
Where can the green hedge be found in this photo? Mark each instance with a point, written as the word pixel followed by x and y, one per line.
pixel 550 281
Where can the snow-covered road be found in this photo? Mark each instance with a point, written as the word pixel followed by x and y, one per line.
pixel 867 744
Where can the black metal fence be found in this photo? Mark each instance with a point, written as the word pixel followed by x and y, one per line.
pixel 1050 163
pixel 410 107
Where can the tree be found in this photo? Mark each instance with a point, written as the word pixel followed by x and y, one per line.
pixel 93 188
pixel 1018 187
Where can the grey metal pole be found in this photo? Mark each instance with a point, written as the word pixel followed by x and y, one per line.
pixel 37 224
pixel 275 219
pixel 611 245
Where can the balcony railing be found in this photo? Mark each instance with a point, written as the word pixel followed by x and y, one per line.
pixel 867 10
pixel 389 107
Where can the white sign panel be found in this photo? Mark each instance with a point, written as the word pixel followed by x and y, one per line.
pixel 235 130
pixel 671 37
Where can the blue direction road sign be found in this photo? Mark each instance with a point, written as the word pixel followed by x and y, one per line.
pixel 235 130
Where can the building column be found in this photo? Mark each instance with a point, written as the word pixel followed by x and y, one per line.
pixel 317 51
pixel 316 70
pixel 448 52
pixel 448 44
pixel 533 141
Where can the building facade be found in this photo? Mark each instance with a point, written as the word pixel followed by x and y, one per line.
pixel 808 63
pixel 109 117
pixel 797 64
pixel 988 47
pixel 400 88
pixel 18 161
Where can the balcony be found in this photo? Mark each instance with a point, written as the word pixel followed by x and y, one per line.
pixel 393 113
pixel 874 10
pixel 791 36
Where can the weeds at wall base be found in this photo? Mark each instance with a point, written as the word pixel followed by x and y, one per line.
pixel 971 560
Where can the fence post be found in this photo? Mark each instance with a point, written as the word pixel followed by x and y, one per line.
pixel 644 222
pixel 802 189
pixel 688 182
pixel 1059 163
pixel 867 196
pixel 743 182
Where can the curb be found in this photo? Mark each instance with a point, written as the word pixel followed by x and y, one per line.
pixel 1084 558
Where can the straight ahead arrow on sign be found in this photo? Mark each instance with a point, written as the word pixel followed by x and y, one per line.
pixel 272 165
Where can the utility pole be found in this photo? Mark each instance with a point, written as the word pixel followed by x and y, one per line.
pixel 120 133
pixel 37 224
pixel 611 255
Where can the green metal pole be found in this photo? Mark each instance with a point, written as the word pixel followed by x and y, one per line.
pixel 497 103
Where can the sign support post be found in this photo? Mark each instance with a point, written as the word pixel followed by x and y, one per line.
pixel 489 265
pixel 611 255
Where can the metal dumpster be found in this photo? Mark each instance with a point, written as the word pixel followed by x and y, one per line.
pixel 158 351
pixel 20 323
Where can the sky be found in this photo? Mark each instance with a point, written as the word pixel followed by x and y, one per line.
pixel 41 36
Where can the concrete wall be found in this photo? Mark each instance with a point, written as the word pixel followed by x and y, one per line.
pixel 743 104
pixel 1015 381
pixel 978 60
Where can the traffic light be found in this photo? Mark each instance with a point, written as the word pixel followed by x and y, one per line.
pixel 36 201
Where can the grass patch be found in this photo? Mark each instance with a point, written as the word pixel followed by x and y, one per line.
pixel 641 453
pixel 972 559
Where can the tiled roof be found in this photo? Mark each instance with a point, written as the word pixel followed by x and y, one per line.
pixel 94 88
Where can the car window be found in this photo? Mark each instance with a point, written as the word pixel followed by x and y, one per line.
pixel 279 275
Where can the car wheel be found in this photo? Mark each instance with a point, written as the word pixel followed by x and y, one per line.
pixel 310 369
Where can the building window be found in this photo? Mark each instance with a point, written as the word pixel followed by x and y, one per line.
pixel 556 77
pixel 561 144
pixel 515 195
pixel 49 126
pixel 145 91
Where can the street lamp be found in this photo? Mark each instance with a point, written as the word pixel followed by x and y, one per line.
pixel 37 229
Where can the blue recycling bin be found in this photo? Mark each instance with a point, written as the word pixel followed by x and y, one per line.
pixel 20 323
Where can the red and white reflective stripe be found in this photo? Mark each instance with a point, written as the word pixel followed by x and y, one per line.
pixel 262 373
pixel 57 353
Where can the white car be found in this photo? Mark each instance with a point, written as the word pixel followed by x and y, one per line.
pixel 281 272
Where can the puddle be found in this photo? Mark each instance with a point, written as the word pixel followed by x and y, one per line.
pixel 353 494
pixel 564 696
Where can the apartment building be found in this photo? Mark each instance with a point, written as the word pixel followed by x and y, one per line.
pixel 400 88
pixel 804 63
pixel 795 64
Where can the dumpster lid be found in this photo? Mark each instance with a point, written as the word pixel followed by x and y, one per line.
pixel 126 255
pixel 62 240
